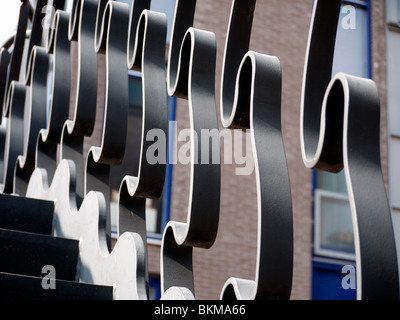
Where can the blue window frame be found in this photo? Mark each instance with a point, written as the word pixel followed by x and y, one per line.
pixel 154 288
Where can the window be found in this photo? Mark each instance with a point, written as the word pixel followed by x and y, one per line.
pixel 352 40
pixel 393 14
pixel 164 6
pixel 333 232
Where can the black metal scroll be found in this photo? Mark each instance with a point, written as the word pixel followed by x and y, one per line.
pixel 251 99
pixel 340 120
pixel 82 206
pixel 35 116
pixel 84 95
pixel 43 149
pixel 146 53
pixel 191 72
pixel 111 39
pixel 47 154
pixel 15 59
pixel 29 103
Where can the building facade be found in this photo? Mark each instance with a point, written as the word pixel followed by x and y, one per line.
pixel 323 235
pixel 324 262
pixel 320 208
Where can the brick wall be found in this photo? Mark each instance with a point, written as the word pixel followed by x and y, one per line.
pixel 379 73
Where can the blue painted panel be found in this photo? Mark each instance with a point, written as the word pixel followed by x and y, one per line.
pixel 327 283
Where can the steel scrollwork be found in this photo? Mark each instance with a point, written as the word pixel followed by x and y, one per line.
pixel 334 135
pixel 190 75
pixel 45 159
pixel 146 53
pixel 251 99
pixel 58 46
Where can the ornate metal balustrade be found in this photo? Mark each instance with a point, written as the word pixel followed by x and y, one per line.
pixel 55 200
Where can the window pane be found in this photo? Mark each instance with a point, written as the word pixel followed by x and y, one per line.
pixel 393 39
pixel 351 43
pixel 334 226
pixel 394 170
pixel 332 182
pixel 396 226
pixel 167 7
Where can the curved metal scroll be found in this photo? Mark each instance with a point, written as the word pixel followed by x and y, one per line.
pixel 119 267
pixel 35 116
pixel 20 143
pixel 47 154
pixel 191 74
pixel 111 39
pixel 14 138
pixel 334 135
pixel 146 53
pixel 13 72
pixel 82 28
pixel 254 102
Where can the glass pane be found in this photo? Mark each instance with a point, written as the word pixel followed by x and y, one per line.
pixel 335 182
pixel 351 42
pixel 396 228
pixel 167 7
pixel 336 227
pixel 394 182
pixel 393 51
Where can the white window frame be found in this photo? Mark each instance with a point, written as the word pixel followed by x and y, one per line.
pixel 319 194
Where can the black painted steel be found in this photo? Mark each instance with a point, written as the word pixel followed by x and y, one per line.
pixel 191 73
pixel 35 115
pixel 84 91
pixel 27 253
pixel 43 153
pixel 251 99
pixel 111 38
pixel 17 287
pixel 146 49
pixel 334 135
pixel 25 214
pixel 48 143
